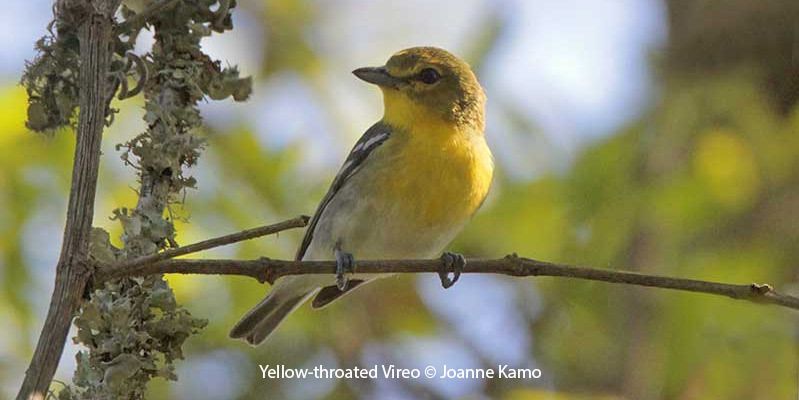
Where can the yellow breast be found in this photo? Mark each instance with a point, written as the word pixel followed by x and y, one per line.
pixel 440 177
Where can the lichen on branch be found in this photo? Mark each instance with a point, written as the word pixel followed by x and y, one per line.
pixel 132 328
pixel 51 78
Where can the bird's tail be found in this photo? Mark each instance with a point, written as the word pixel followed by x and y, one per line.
pixel 288 294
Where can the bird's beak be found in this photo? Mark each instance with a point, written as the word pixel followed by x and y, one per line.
pixel 379 76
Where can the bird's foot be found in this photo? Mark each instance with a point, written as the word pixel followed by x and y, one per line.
pixel 452 262
pixel 345 264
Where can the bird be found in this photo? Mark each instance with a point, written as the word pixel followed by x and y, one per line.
pixel 408 186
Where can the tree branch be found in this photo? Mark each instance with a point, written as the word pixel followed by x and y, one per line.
pixel 120 269
pixel 268 270
pixel 72 270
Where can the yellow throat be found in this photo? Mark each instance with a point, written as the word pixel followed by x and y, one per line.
pixel 446 167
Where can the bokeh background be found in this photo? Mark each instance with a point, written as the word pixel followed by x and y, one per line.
pixel 656 136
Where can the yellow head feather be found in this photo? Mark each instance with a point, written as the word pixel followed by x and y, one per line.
pixel 431 86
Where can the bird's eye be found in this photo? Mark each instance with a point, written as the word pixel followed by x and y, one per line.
pixel 429 76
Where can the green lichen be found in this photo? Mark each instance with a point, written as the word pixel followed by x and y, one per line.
pixel 133 329
pixel 51 79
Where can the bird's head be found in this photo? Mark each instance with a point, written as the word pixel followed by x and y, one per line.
pixel 428 83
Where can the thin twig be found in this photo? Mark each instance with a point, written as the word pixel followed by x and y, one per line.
pixel 268 270
pixel 119 269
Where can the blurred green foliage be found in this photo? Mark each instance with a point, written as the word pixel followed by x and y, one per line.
pixel 704 185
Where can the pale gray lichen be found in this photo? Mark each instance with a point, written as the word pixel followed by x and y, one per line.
pixel 133 329
pixel 51 79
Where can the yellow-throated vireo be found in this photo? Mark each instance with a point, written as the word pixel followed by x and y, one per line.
pixel 408 186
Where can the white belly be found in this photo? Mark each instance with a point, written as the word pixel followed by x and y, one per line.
pixel 371 229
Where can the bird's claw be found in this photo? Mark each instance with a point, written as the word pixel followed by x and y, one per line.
pixel 345 263
pixel 453 262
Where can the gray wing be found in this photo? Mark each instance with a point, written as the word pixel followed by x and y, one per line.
pixel 371 139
